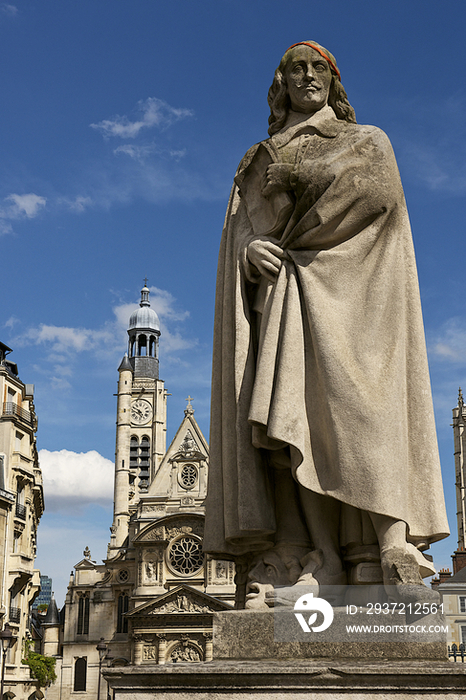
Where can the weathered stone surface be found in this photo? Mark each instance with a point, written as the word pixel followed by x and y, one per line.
pixel 249 634
pixel 295 680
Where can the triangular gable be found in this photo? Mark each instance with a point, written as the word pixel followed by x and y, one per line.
pixel 86 564
pixel 182 600
pixel 179 445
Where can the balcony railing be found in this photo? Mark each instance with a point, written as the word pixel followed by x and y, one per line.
pixel 20 511
pixel 15 614
pixel 12 409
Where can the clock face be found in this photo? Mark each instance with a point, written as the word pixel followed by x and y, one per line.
pixel 141 411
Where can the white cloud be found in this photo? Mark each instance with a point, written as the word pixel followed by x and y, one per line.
pixel 11 322
pixel 27 205
pixel 10 10
pixel 65 339
pixel 75 477
pixel 139 153
pixel 450 341
pixel 5 227
pixel 78 204
pixel 22 206
pixel 164 303
pixel 154 113
pixel 63 344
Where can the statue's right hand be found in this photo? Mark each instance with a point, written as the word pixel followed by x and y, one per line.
pixel 266 257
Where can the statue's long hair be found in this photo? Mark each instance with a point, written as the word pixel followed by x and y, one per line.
pixel 279 100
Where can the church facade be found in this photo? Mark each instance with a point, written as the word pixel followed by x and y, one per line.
pixel 152 599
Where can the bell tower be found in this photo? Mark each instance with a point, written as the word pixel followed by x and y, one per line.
pixel 141 419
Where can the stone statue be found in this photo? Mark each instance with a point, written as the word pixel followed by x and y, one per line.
pixel 323 448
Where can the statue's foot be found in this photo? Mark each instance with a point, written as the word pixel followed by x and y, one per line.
pixel 315 569
pixel 402 578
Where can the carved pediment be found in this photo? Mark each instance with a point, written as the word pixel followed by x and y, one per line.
pixel 181 603
pixel 182 600
pixel 171 526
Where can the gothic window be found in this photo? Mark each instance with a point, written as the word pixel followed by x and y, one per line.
pixel 80 674
pixel 185 555
pixel 83 614
pixel 139 458
pixel 122 622
pixel 462 603
pixel 133 452
pixel 144 451
pixel 188 476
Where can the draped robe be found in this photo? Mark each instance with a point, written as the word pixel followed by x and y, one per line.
pixel 330 359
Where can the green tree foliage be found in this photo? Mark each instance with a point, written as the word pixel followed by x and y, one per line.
pixel 42 668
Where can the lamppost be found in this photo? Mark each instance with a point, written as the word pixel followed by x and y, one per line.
pixel 103 649
pixel 6 640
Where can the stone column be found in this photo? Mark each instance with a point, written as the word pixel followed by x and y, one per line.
pixel 209 647
pixel 138 641
pixel 162 648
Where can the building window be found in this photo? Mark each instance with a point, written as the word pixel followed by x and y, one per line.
pixel 18 440
pixel 142 345
pixel 462 603
pixel 123 575
pixel 133 452
pixel 122 622
pixel 83 614
pixel 80 674
pixel 17 541
pixel 185 555
pixel 15 609
pixel 139 458
pixel 188 476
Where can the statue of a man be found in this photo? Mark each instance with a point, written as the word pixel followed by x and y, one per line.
pixel 322 443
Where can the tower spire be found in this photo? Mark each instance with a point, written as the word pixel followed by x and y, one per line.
pixel 145 294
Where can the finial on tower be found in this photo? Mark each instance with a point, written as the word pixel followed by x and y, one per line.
pixel 189 410
pixel 460 398
pixel 145 294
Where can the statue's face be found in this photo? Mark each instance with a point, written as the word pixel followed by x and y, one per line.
pixel 308 78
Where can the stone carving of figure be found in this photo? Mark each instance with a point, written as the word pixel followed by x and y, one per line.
pixel 151 570
pixel 323 440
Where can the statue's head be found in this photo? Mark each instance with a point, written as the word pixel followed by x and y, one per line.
pixel 306 80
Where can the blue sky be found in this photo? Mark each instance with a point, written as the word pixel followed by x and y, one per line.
pixel 121 129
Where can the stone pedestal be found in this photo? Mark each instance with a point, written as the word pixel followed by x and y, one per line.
pixel 248 664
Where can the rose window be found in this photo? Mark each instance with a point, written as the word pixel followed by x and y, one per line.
pixel 186 555
pixel 188 476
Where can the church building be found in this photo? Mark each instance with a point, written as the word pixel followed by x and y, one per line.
pixel 152 599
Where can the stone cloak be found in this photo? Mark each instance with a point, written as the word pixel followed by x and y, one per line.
pixel 330 359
